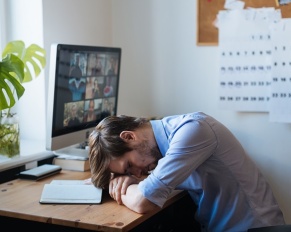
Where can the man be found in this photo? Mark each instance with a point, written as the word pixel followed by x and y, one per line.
pixel 193 152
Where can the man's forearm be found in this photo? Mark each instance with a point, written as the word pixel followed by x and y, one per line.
pixel 134 200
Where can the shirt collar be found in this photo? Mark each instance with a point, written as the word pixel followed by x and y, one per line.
pixel 160 136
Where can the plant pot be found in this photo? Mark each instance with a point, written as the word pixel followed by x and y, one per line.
pixel 9 136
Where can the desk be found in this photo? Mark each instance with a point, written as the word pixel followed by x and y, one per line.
pixel 19 204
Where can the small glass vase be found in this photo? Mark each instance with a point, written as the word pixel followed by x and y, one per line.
pixel 9 136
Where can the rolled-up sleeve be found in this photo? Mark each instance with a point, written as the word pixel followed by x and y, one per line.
pixel 185 143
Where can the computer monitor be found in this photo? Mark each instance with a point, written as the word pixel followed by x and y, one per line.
pixel 83 89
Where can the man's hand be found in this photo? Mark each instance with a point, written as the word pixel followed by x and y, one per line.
pixel 124 189
pixel 118 186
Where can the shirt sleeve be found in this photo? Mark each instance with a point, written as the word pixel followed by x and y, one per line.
pixel 191 142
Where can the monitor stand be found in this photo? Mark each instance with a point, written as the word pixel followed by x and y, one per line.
pixel 77 151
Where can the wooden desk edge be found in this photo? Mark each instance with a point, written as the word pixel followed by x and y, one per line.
pixel 50 219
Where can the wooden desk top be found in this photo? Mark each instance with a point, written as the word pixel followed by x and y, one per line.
pixel 20 199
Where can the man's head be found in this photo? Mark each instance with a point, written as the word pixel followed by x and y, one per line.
pixel 121 145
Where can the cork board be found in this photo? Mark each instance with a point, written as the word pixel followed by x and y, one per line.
pixel 207 33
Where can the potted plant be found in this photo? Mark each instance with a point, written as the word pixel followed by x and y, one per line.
pixel 19 65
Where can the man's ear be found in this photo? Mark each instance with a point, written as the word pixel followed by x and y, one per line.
pixel 127 135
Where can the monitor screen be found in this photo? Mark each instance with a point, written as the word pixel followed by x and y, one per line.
pixel 83 89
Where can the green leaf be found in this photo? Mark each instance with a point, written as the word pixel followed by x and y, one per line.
pixel 11 76
pixel 33 57
pixel 20 64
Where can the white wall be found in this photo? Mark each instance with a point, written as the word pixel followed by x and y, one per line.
pixel 76 22
pixel 27 25
pixel 164 72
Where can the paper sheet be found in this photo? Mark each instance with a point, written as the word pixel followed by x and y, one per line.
pixel 280 104
pixel 245 58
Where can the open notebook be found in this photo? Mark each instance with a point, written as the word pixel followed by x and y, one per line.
pixel 70 192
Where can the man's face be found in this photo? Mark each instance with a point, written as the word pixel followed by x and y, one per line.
pixel 137 162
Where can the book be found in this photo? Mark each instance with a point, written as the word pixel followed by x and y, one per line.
pixel 40 172
pixel 70 192
pixel 72 164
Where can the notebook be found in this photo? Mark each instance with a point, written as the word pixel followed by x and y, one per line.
pixel 70 192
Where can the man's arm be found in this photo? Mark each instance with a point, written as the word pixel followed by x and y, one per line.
pixel 134 200
pixel 124 190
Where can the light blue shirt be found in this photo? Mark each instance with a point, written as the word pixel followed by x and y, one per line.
pixel 202 156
